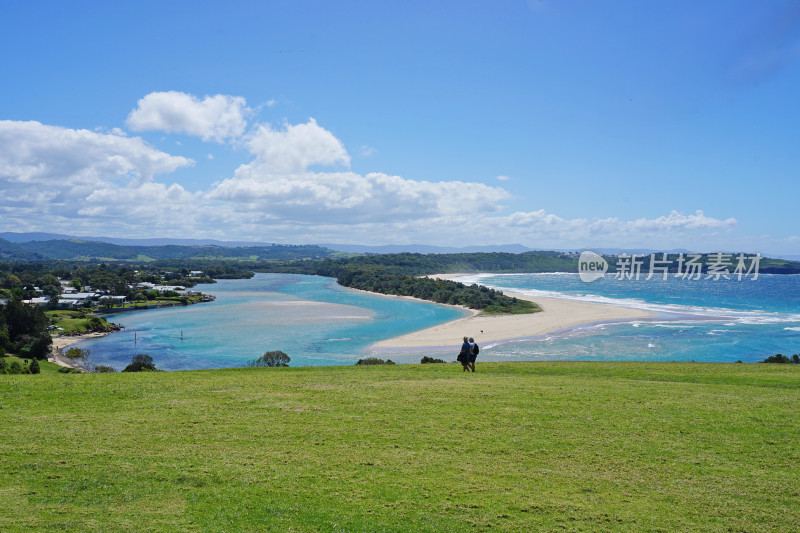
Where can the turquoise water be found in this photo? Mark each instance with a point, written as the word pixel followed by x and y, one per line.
pixel 312 319
pixel 698 320
pixel 317 322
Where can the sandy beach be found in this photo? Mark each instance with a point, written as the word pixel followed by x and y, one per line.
pixel 60 343
pixel 556 314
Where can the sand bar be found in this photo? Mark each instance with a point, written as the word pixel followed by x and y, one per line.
pixel 57 350
pixel 556 314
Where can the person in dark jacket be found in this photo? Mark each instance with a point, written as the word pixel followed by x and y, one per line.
pixel 463 356
pixel 473 353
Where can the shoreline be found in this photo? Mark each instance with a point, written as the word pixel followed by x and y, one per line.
pixel 60 343
pixel 557 314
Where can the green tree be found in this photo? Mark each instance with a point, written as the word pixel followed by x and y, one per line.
pixel 34 367
pixel 36 346
pixel 271 359
pixel 374 361
pixel 24 319
pixel 141 363
pixel 77 353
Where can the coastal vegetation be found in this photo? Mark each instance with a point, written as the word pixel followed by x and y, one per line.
pixel 274 358
pixel 782 359
pixel 367 361
pixel 441 291
pixel 141 363
pixel 23 331
pixel 79 322
pixel 518 447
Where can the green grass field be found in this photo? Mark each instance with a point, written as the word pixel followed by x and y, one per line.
pixel 44 367
pixel 514 447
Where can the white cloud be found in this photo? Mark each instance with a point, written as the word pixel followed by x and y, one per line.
pixel 347 197
pixel 279 185
pixel 367 151
pixel 503 178
pixel 676 221
pixel 218 118
pixel 60 177
pixel 295 147
pixel 540 228
pixel 37 154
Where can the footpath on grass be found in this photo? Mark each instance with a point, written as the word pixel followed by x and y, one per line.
pixel 577 446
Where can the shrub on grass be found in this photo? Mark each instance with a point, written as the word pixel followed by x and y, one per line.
pixel 141 363
pixel 374 361
pixel 271 359
pixel 95 324
pixel 65 370
pixel 782 359
pixel 77 353
pixel 33 346
pixel 15 368
pixel 103 369
pixel 34 367
pixel 425 360
pixel 3 366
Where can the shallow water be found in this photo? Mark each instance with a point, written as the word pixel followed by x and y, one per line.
pixel 312 319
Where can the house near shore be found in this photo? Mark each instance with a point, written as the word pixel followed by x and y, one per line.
pixel 117 300
pixel 167 288
pixel 159 288
pixel 77 299
pixel 41 301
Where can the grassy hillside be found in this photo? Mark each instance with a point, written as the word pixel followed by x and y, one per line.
pixel 514 447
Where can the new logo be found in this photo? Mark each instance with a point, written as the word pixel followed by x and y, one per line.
pixel 591 266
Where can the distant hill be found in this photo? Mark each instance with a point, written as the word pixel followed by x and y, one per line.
pixel 10 250
pixel 83 250
pixel 425 249
pixel 28 237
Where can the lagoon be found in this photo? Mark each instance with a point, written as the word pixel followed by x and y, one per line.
pixel 313 319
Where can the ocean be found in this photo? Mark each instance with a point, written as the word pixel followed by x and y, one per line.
pixel 697 320
pixel 317 322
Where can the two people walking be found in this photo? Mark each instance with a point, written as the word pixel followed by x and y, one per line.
pixel 468 354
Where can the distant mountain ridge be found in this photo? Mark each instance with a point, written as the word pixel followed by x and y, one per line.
pixel 29 237
pixel 30 251
pixel 425 249
pixel 85 250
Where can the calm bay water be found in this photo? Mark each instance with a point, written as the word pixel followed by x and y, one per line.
pixel 311 318
pixel 317 322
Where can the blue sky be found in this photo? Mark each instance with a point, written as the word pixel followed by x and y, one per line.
pixel 553 124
